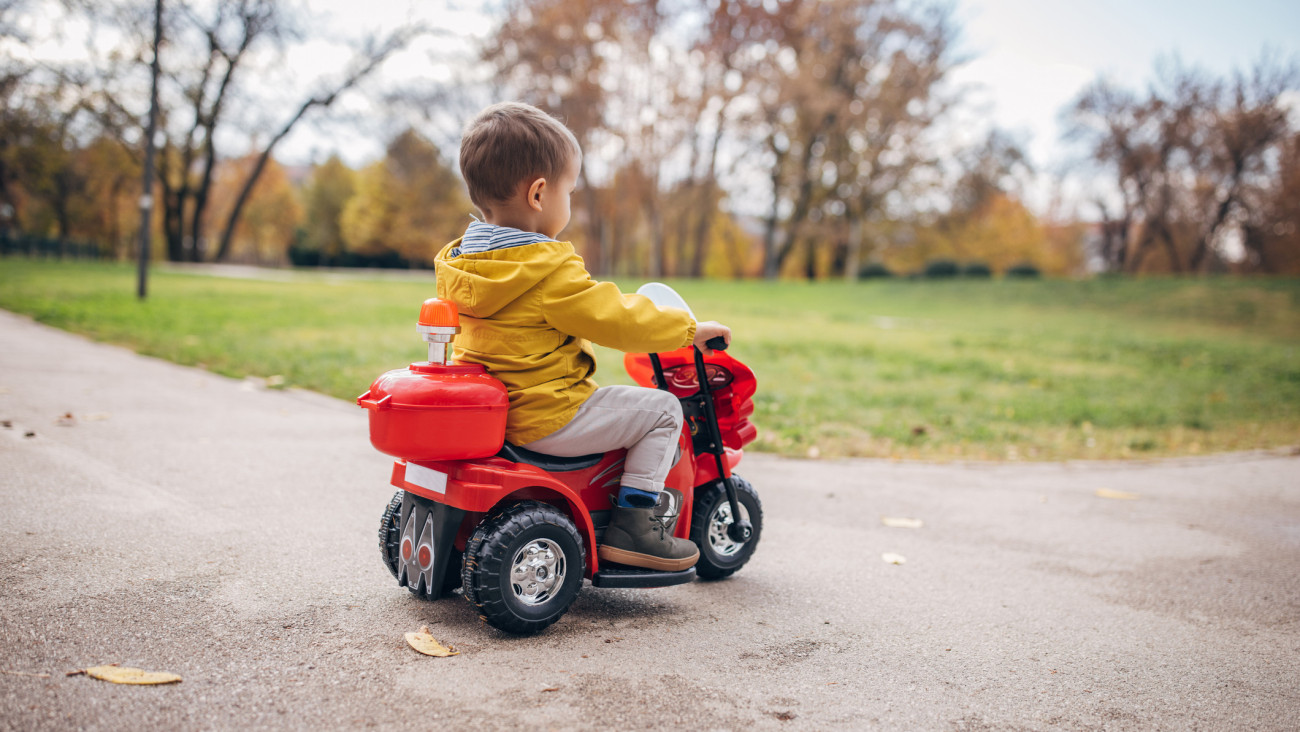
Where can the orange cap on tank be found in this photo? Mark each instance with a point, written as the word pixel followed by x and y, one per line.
pixel 438 313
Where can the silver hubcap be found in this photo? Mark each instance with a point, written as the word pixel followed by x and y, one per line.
pixel 537 571
pixel 719 520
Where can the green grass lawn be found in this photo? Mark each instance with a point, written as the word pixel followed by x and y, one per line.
pixel 1103 368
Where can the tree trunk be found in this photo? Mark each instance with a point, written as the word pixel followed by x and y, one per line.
pixel 852 259
pixel 655 220
pixel 771 268
pixel 1140 248
pixel 1171 249
pixel 173 210
pixel 700 238
pixel 598 244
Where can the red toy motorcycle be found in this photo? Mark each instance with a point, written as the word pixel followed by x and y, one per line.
pixel 518 530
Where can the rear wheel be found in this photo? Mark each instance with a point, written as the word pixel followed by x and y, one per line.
pixel 524 566
pixel 390 533
pixel 720 555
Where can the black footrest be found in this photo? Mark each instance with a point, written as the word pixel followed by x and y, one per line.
pixel 640 578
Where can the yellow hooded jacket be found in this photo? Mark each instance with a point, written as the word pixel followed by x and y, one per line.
pixel 530 313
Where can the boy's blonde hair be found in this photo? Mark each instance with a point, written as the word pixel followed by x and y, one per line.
pixel 508 143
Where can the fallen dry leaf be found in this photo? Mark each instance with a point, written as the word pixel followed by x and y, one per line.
pixel 892 558
pixel 1117 495
pixel 127 675
pixel 424 643
pixel 898 522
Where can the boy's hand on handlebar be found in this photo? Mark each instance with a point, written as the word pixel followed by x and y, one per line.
pixel 707 330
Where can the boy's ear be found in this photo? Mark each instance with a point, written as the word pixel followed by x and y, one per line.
pixel 535 190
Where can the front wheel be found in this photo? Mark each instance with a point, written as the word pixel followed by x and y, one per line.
pixel 524 567
pixel 720 555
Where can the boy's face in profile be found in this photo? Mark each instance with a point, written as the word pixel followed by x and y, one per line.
pixel 555 209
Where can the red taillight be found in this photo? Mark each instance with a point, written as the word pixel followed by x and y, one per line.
pixel 406 549
pixel 426 556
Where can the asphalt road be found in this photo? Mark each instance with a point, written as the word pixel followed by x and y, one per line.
pixel 185 522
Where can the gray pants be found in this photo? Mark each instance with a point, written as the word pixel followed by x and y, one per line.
pixel 648 422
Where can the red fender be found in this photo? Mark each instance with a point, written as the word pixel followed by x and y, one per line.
pixel 476 486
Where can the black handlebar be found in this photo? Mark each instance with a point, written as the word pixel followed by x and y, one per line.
pixel 716 343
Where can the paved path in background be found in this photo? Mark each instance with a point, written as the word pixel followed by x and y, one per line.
pixel 186 522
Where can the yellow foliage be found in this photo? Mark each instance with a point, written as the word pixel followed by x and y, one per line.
pixel 1002 233
pixel 409 203
pixel 332 185
pixel 733 252
pixel 110 212
pixel 369 213
pixel 270 218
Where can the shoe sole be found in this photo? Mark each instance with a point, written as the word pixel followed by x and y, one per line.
pixel 646 561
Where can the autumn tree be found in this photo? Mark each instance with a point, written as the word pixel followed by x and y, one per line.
pixel 108 210
pixel 409 204
pixel 271 220
pixel 854 88
pixel 40 136
pixel 986 221
pixel 668 99
pixel 218 55
pixel 326 196
pixel 1190 159
pixel 1271 227
pixel 555 54
pixel 719 108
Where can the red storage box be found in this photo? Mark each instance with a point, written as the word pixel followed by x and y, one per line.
pixel 437 412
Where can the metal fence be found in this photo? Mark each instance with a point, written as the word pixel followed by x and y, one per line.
pixel 41 247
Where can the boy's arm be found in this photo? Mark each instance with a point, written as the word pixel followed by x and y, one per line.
pixel 575 304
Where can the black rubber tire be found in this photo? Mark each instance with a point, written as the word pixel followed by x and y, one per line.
pixel 492 547
pixel 712 565
pixel 390 541
pixel 390 533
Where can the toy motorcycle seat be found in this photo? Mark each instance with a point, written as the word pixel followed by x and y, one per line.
pixel 549 463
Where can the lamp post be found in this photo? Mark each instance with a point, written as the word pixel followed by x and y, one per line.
pixel 146 195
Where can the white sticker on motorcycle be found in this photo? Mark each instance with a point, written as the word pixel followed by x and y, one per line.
pixel 426 478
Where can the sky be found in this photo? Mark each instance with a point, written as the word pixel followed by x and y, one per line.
pixel 1030 58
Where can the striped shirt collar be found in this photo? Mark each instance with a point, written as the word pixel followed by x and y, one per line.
pixel 483 237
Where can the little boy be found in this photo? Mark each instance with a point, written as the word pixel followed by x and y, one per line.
pixel 530 312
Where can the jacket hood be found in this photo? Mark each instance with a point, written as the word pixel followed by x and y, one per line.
pixel 481 284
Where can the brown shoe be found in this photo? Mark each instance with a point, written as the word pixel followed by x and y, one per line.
pixel 638 538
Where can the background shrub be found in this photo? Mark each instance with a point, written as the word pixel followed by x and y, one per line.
pixel 941 268
pixel 1024 269
pixel 874 270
